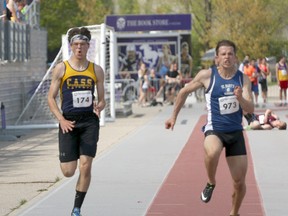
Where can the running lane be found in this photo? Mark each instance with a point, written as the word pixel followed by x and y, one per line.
pixel 179 194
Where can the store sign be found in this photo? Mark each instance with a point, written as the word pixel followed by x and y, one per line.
pixel 164 22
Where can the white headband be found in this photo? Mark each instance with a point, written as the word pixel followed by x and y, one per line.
pixel 79 37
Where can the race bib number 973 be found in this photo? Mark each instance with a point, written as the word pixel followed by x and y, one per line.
pixel 228 105
pixel 82 98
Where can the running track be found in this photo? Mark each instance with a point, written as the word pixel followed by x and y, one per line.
pixel 180 192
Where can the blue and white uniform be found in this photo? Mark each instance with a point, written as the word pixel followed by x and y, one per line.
pixel 224 111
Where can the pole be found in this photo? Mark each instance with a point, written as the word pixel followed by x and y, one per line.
pixel 3 117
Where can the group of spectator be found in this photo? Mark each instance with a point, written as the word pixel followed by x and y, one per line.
pixel 15 10
pixel 165 79
pixel 168 79
pixel 258 71
pixel 152 84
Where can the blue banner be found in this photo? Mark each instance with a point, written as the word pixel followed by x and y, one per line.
pixel 164 22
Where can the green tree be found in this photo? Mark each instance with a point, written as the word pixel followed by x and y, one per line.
pixel 57 17
pixel 129 7
pixel 250 24
pixel 94 11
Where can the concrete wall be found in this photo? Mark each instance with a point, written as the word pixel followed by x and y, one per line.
pixel 18 79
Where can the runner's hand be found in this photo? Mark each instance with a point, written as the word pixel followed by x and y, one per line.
pixel 66 126
pixel 238 92
pixel 169 124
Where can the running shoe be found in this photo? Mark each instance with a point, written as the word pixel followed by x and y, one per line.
pixel 207 193
pixel 76 212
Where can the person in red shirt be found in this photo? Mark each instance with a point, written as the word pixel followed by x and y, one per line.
pixel 263 74
pixel 251 71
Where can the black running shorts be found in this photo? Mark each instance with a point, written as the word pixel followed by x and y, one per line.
pixel 82 140
pixel 233 142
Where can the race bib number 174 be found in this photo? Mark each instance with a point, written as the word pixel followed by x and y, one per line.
pixel 228 105
pixel 82 98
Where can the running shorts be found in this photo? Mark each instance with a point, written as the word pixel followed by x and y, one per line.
pixel 283 84
pixel 233 142
pixel 82 140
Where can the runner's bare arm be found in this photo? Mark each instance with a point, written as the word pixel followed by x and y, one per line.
pixel 244 95
pixel 57 75
pixel 202 79
pixel 54 89
pixel 100 104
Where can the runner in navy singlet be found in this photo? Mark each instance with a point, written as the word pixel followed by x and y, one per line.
pixel 228 94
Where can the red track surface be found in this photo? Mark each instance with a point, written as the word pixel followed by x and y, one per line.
pixel 180 193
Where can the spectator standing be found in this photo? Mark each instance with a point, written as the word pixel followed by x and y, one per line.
pixel 11 11
pixel 251 71
pixel 21 10
pixel 282 79
pixel 186 61
pixel 263 74
pixel 165 60
pixel 241 66
pixel 143 84
pixel 173 81
pixel 154 83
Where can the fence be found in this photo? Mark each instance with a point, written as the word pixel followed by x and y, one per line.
pixel 14 42
pixel 15 37
pixel 32 14
pixel 127 90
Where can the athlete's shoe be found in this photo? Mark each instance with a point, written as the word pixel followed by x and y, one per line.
pixel 76 212
pixel 207 193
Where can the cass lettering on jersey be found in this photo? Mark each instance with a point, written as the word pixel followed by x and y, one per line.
pixel 224 111
pixel 77 89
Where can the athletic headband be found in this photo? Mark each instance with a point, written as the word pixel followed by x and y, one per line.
pixel 79 37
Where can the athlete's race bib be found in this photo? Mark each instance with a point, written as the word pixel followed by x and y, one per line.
pixel 82 98
pixel 228 105
pixel 284 72
pixel 261 119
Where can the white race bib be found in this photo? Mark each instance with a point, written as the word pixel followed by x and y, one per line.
pixel 228 105
pixel 261 119
pixel 82 98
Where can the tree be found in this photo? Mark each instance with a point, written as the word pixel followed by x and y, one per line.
pixel 250 24
pixel 57 17
pixel 256 26
pixel 94 11
pixel 129 7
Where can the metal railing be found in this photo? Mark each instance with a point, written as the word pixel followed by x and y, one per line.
pixel 14 41
pixel 32 14
pixel 15 37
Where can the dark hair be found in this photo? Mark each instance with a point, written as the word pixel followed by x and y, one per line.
pixel 281 56
pixel 81 30
pixel 225 43
pixel 283 126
